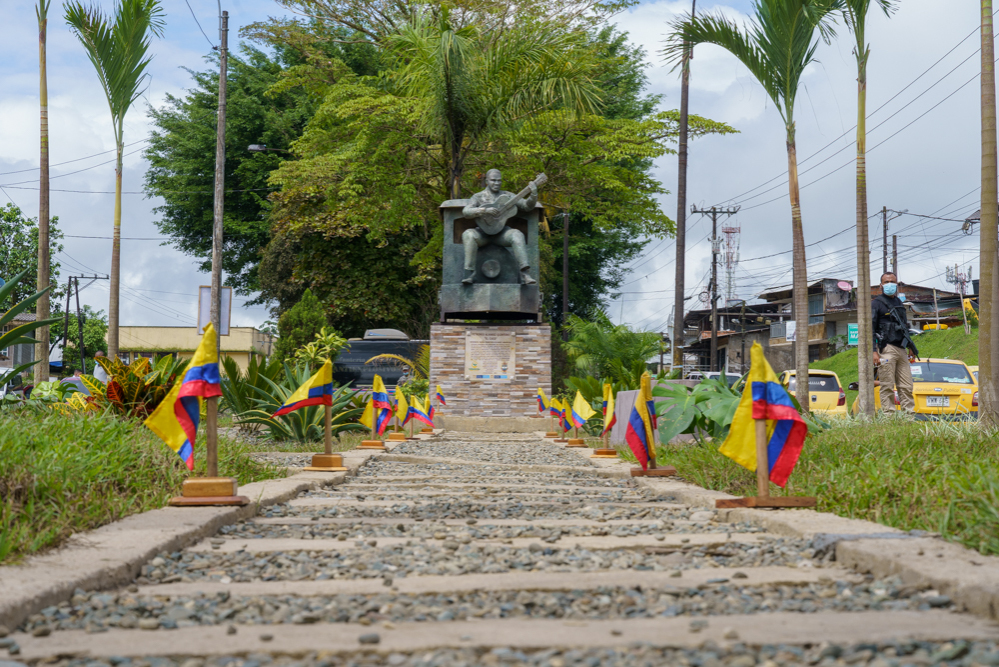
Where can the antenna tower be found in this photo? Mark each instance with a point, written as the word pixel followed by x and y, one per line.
pixel 731 260
pixel 959 278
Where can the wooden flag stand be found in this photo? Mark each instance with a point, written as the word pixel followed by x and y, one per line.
pixel 653 471
pixel 398 433
pixel 605 452
pixel 576 441
pixel 373 443
pixel 763 497
pixel 328 461
pixel 211 489
pixel 552 433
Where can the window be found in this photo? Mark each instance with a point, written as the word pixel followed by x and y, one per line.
pixel 925 371
pixel 815 309
pixel 816 383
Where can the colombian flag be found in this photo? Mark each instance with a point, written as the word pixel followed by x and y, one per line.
pixel 430 408
pixel 382 405
pixel 609 417
pixel 765 398
pixel 402 411
pixel 175 420
pixel 640 434
pixel 581 411
pixel 418 412
pixel 440 396
pixel 542 401
pixel 553 407
pixel 317 391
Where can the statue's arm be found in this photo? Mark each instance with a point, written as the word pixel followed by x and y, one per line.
pixel 529 202
pixel 473 210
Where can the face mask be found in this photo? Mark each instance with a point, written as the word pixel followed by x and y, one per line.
pixel 889 289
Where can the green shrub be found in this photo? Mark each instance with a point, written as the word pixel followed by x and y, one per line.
pixel 299 325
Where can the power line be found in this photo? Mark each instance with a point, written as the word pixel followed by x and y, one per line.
pixel 210 43
pixel 57 164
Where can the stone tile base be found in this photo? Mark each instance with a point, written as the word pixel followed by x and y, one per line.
pixel 515 397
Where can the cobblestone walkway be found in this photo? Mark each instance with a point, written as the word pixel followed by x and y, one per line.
pixel 470 550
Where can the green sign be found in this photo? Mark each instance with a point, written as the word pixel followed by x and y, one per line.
pixel 852 334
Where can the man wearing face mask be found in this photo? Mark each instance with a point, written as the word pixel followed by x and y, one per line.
pixel 892 345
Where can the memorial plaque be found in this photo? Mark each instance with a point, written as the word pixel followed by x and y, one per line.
pixel 490 356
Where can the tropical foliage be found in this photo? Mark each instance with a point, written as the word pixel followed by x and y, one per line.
pixel 19 250
pixel 305 424
pixel 18 335
pixel 299 325
pixel 135 389
pixel 327 345
pixel 118 48
pixel 704 411
pixel 238 387
pixel 95 329
pixel 599 348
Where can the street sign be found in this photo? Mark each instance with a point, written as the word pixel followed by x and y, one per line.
pixel 789 331
pixel 852 334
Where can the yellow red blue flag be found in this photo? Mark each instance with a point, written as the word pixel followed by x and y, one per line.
pixel 382 405
pixel 640 433
pixel 542 401
pixel 440 396
pixel 318 390
pixel 401 406
pixel 765 398
pixel 420 413
pixel 430 408
pixel 581 411
pixel 175 420
pixel 609 417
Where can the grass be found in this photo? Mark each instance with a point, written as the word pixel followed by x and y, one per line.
pixel 62 474
pixel 946 344
pixel 910 475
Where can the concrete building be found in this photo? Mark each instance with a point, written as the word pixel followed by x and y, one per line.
pixel 15 355
pixel 240 344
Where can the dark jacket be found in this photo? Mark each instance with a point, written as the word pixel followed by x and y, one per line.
pixel 882 322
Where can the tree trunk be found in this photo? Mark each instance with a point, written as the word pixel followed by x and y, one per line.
pixel 115 259
pixel 865 339
pixel 800 281
pixel 988 229
pixel 681 212
pixel 42 305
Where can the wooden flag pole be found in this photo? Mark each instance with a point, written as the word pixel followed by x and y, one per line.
pixel 606 452
pixel 763 497
pixel 212 436
pixel 374 443
pixel 328 461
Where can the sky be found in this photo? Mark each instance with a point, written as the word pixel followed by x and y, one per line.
pixel 923 142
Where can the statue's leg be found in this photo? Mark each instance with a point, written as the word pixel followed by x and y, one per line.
pixel 514 239
pixel 472 240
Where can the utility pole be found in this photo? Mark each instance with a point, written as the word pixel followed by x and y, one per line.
pixel 565 275
pixel 216 308
pixel 681 205
pixel 894 256
pixel 884 239
pixel 79 327
pixel 714 212
pixel 42 306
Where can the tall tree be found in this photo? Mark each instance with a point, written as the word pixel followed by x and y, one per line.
pixel 19 238
pixel 988 328
pixel 119 52
pixel 42 305
pixel 777 46
pixel 855 14
pixel 467 83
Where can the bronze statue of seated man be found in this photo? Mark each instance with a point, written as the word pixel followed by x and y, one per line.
pixel 491 209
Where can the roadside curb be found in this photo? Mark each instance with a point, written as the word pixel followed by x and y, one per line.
pixel 114 554
pixel 968 578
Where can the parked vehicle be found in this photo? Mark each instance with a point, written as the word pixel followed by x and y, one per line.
pixel 941 389
pixel 824 390
pixel 13 387
pixel 974 371
pixel 730 378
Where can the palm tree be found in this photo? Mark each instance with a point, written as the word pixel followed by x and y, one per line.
pixel 987 327
pixel 119 53
pixel 468 81
pixel 776 47
pixel 42 305
pixel 855 14
pixel 601 349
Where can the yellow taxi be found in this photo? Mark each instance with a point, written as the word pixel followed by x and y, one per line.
pixel 974 371
pixel 943 387
pixel 824 391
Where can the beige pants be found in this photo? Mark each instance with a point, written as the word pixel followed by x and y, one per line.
pixel 895 371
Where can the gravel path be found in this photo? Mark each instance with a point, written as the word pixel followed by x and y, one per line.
pixel 405 522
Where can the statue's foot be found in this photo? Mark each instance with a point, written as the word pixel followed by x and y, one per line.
pixel 526 279
pixel 469 278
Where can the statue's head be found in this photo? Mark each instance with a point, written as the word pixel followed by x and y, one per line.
pixel 494 181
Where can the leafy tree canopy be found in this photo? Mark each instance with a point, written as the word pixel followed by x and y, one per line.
pixel 95 329
pixel 299 326
pixel 19 251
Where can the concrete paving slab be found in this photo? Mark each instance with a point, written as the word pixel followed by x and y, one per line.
pixel 540 523
pixel 597 542
pixel 409 458
pixel 513 581
pixel 349 500
pixel 775 628
pixel 114 554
